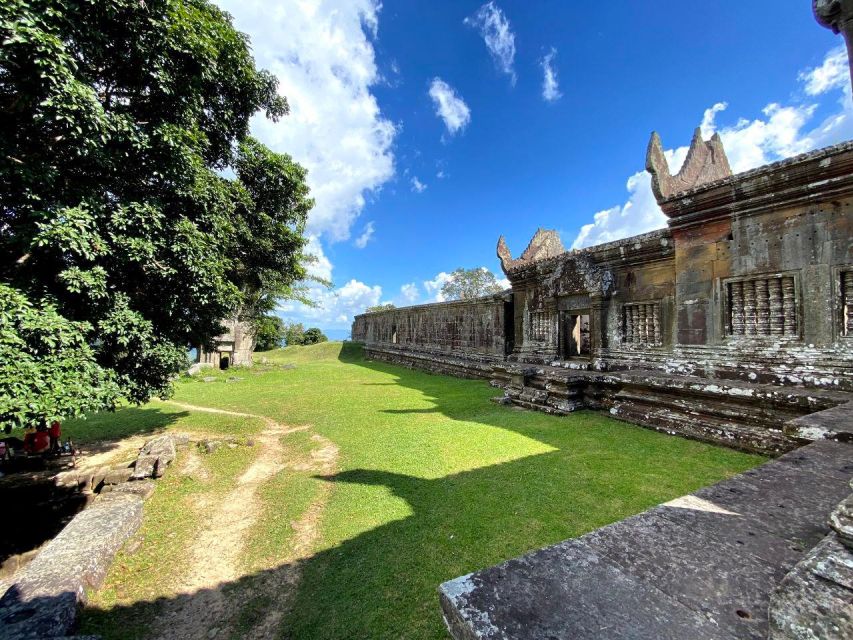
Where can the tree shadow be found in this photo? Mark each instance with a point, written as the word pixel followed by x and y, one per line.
pixel 578 474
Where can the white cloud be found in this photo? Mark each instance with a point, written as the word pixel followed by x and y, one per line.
pixel 336 307
pixel 780 132
pixel 366 235
pixel 440 174
pixel 410 293
pixel 550 84
pixel 418 186
pixel 324 59
pixel 449 106
pixel 322 266
pixel 495 29
pixel 433 287
pixel 834 73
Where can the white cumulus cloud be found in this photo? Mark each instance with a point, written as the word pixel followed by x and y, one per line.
pixel 449 106
pixel 433 287
pixel 336 308
pixel 323 55
pixel 410 293
pixel 781 131
pixel 495 29
pixel 366 235
pixel 550 84
pixel 834 73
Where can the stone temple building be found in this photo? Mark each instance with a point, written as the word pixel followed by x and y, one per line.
pixel 730 325
pixel 734 324
pixel 233 348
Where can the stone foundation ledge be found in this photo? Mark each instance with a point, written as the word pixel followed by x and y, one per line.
pixel 703 566
pixel 44 597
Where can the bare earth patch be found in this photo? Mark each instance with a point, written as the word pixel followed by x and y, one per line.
pixel 202 609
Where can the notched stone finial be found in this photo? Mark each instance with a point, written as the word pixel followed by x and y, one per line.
pixel 706 162
pixel 545 243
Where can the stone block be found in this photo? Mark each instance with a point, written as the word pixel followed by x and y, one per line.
pixel 43 600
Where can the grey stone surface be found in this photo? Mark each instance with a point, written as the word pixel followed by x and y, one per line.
pixel 832 423
pixel 702 566
pixel 117 475
pixel 841 521
pixel 43 600
pixel 815 600
pixel 154 457
pixel 142 488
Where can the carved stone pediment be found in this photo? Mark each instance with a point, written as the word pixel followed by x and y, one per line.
pixel 706 162
pixel 545 243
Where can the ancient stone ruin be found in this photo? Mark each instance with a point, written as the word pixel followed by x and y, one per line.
pixel 731 325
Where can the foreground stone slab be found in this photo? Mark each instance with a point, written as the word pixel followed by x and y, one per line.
pixel 42 601
pixel 702 566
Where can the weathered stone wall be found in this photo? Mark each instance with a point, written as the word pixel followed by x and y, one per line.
pixel 726 325
pixel 460 338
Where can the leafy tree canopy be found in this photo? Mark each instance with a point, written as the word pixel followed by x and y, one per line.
pixel 314 336
pixel 135 211
pixel 380 307
pixel 294 333
pixel 269 333
pixel 465 284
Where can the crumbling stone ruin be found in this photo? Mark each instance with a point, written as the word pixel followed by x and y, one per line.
pixel 730 325
pixel 233 348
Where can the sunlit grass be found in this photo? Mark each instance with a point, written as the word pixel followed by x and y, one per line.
pixel 433 481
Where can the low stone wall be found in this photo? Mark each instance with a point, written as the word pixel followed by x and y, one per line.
pixel 44 597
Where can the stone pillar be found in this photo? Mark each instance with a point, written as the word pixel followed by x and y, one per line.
pixel 777 319
pixel 656 321
pixel 598 323
pixel 789 309
pixel 847 292
pixel 749 308
pixel 644 329
pixel 762 308
pixel 737 326
pixel 629 324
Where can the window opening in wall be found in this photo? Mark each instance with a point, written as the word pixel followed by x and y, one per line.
pixel 762 307
pixel 574 334
pixel 847 303
pixel 540 325
pixel 394 335
pixel 641 323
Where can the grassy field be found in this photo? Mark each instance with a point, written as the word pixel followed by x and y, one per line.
pixel 433 481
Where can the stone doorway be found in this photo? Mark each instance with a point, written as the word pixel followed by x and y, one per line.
pixel 575 334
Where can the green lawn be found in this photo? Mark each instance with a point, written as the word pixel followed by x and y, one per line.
pixel 434 481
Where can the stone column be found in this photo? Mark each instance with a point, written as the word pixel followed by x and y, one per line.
pixel 749 308
pixel 656 321
pixel 644 328
pixel 629 324
pixel 762 308
pixel 736 289
pixel 789 309
pixel 777 319
pixel 847 291
pixel 598 323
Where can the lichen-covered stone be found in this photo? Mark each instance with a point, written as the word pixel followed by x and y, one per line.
pixel 154 457
pixel 43 600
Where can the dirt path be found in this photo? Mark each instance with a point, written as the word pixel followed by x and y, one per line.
pixel 202 610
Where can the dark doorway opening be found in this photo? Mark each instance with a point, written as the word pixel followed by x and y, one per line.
pixel 224 361
pixel 509 327
pixel 574 334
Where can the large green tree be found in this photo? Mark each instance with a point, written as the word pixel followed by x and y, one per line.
pixel 465 284
pixel 135 211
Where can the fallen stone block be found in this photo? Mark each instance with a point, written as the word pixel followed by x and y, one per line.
pixel 141 488
pixel 118 475
pixel 154 457
pixel 43 600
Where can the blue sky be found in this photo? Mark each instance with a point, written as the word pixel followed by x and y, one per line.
pixel 428 129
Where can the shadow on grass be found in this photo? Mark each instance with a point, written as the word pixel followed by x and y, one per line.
pixel 381 583
pixel 108 427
